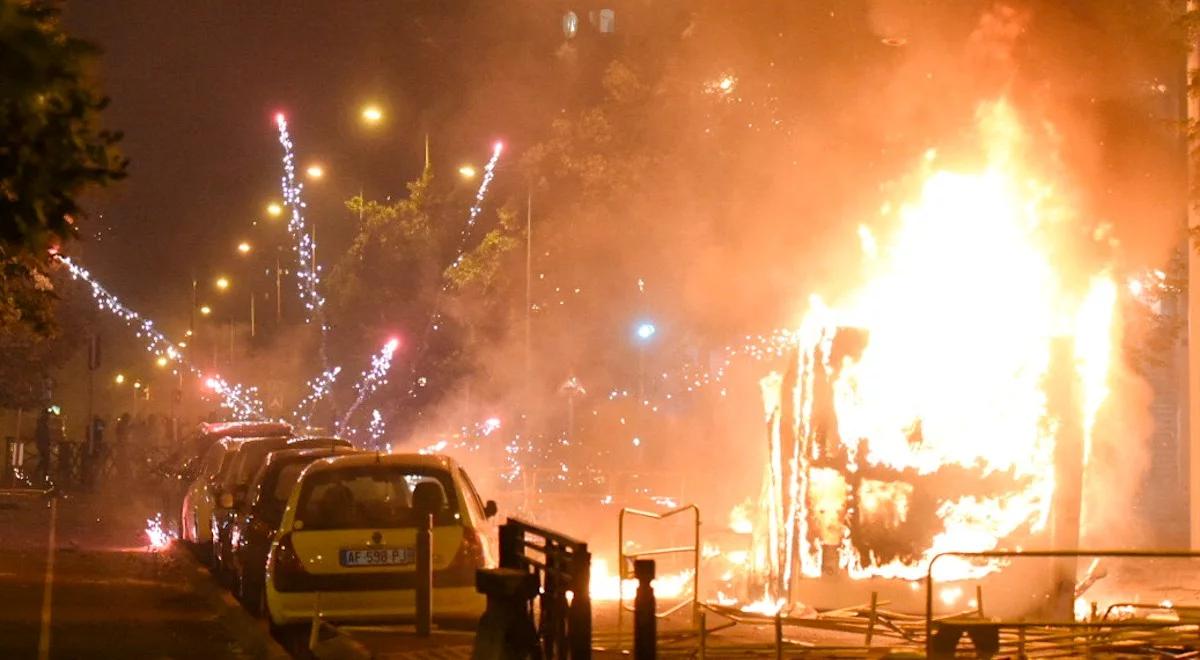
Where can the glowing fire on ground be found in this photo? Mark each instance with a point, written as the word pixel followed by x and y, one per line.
pixel 606 585
pixel 159 538
pixel 979 298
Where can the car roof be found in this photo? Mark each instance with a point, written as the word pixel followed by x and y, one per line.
pixel 359 459
pixel 308 452
pixel 231 442
pixel 318 441
pixel 244 429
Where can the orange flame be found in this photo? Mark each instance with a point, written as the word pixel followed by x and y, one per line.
pixel 961 302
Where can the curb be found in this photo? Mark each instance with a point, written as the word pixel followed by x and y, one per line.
pixel 230 613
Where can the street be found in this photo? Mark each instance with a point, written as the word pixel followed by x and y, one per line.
pixel 78 581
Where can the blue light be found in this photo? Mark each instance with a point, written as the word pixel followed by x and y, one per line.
pixel 646 331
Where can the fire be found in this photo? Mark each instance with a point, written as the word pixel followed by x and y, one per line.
pixel 606 585
pixel 933 375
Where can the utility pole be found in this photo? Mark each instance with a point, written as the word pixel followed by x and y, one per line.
pixel 528 286
pixel 278 290
pixel 1193 299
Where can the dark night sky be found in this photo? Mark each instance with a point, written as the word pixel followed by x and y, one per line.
pixel 194 86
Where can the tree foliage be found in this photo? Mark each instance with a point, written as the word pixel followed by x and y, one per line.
pixel 51 151
pixel 399 277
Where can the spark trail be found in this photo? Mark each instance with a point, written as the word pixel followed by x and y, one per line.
pixel 371 379
pixel 242 401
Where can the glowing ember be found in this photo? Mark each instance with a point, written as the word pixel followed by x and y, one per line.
pixel 159 538
pixel 607 586
pixel 923 422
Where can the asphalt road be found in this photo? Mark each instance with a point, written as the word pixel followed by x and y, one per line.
pixel 78 580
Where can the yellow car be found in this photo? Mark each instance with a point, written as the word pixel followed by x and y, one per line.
pixel 347 541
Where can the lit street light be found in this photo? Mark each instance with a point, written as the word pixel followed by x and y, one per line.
pixel 646 330
pixel 371 114
pixel 205 310
pixel 315 171
pixel 274 210
pixel 119 379
pixel 244 247
pixel 161 361
pixel 467 171
pixel 222 283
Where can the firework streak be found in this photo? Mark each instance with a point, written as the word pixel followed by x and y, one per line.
pixel 371 379
pixel 318 388
pixel 308 276
pixel 242 401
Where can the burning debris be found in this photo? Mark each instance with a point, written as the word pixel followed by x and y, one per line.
pixel 927 411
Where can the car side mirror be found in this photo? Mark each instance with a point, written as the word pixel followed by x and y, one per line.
pixel 490 509
pixel 225 501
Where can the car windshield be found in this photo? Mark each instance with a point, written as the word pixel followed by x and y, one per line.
pixel 376 496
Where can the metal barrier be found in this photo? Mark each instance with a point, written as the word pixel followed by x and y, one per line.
pixel 1048 635
pixel 625 562
pixel 560 568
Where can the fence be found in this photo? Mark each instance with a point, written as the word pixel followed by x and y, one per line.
pixel 533 561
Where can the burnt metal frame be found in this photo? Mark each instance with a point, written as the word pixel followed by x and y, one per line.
pixel 1021 626
pixel 625 561
pixel 565 566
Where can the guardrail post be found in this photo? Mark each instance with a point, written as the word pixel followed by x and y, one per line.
pixel 645 624
pixel 425 576
pixel 511 540
pixel 579 618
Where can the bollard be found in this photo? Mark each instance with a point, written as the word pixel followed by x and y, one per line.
pixel 425 576
pixel 579 617
pixel 645 624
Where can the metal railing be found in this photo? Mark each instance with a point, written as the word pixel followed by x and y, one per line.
pixel 1027 637
pixel 562 568
pixel 626 561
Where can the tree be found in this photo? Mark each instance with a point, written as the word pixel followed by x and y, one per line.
pixel 51 152
pixel 399 277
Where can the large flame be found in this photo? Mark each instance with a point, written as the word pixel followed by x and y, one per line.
pixel 966 291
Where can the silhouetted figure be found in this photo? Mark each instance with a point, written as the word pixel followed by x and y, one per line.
pixel 94 453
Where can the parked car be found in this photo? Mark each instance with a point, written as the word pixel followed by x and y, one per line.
pixel 200 499
pixel 256 522
pixel 349 534
pixel 244 462
pixel 182 466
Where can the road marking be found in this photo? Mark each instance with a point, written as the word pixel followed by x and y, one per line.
pixel 48 588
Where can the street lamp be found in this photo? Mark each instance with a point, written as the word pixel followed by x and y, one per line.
pixel 467 171
pixel 371 114
pixel 205 310
pixel 119 379
pixel 244 248
pixel 645 330
pixel 222 283
pixel 274 210
pixel 161 361
pixel 315 171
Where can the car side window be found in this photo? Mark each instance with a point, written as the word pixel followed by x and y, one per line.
pixel 212 461
pixel 473 500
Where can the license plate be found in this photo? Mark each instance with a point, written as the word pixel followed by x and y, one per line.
pixel 377 556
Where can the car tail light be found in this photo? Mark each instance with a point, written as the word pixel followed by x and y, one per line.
pixel 287 567
pixel 470 555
